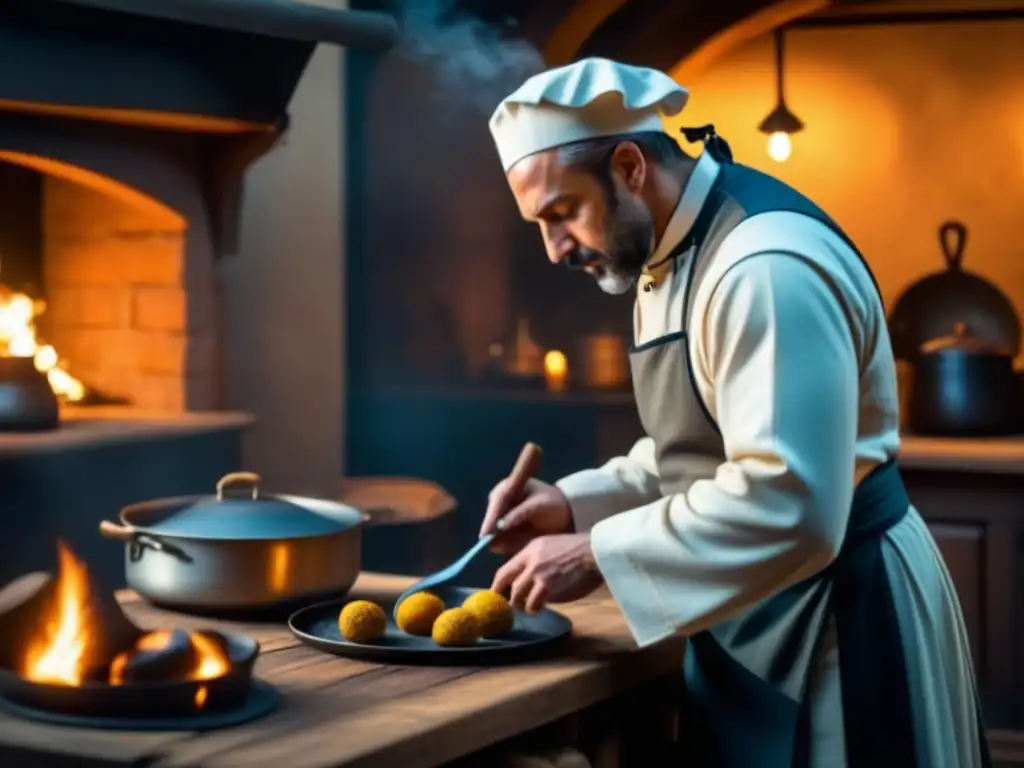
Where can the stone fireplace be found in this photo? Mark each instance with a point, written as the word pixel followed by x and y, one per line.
pixel 129 286
pixel 131 129
pixel 126 131
pixel 131 296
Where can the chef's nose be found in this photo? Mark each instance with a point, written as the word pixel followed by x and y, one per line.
pixel 560 248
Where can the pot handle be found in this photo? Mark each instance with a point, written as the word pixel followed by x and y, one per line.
pixel 239 478
pixel 953 238
pixel 137 541
pixel 115 532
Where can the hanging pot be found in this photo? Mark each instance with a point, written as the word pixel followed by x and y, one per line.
pixel 929 308
pixel 964 386
pixel 27 401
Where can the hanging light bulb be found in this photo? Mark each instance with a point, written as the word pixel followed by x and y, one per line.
pixel 779 146
pixel 780 123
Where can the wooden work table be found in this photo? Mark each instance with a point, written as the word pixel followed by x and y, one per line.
pixel 338 712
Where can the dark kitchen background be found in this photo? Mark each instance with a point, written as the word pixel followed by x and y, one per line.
pixel 446 283
pixel 913 116
pixel 387 313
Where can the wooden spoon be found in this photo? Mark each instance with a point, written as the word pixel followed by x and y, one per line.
pixel 529 459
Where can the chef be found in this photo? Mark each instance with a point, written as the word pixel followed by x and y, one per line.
pixel 763 517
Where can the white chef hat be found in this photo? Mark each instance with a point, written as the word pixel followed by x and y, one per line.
pixel 587 99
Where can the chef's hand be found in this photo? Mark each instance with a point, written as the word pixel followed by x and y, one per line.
pixel 541 509
pixel 557 568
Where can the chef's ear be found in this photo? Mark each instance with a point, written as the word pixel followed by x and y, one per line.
pixel 629 163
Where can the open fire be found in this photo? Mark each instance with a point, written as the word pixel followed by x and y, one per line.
pixel 68 649
pixel 57 655
pixel 19 338
pixel 63 653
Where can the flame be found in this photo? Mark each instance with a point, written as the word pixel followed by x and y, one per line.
pixel 212 661
pixel 58 655
pixel 556 370
pixel 18 313
pixel 152 641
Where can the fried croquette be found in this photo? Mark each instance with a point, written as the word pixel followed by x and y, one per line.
pixel 456 627
pixel 493 613
pixel 417 613
pixel 362 621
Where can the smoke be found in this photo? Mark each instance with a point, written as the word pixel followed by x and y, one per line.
pixel 472 62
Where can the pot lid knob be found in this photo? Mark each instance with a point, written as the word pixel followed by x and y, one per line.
pixel 962 339
pixel 251 479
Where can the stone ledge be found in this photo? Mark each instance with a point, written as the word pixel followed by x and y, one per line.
pixel 995 455
pixel 84 428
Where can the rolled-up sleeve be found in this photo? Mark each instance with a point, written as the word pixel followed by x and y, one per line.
pixel 776 351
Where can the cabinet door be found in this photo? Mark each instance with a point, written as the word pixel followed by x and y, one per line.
pixel 962 545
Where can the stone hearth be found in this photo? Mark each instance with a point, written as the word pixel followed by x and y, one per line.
pixel 139 122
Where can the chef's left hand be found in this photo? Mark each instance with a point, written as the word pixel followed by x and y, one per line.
pixel 557 568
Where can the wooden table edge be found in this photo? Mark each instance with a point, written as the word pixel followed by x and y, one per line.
pixel 480 717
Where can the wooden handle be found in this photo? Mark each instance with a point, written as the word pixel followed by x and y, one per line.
pixel 526 465
pixel 115 532
pixel 239 478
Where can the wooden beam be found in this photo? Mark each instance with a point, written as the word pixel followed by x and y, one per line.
pixel 884 19
pixel 272 18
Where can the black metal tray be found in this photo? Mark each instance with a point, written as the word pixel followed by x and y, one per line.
pixel 533 634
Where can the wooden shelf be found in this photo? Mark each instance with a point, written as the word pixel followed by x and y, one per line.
pixel 499 396
pixel 998 455
pixel 85 427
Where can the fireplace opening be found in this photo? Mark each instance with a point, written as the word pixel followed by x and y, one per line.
pixel 94 286
pixel 138 125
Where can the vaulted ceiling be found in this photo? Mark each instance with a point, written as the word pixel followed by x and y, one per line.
pixel 679 36
pixel 655 33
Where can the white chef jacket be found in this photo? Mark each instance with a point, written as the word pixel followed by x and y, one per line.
pixel 778 323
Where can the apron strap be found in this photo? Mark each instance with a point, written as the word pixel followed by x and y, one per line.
pixel 714 144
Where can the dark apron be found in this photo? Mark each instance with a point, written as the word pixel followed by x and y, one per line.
pixel 731 716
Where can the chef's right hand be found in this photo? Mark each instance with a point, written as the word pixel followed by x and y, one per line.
pixel 541 509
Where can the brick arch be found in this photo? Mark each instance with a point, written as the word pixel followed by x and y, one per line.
pixel 160 213
pixel 714 48
pixel 644 32
pixel 573 30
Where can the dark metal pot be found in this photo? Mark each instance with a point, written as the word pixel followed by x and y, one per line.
pixel 241 551
pixel 964 386
pixel 927 309
pixel 27 401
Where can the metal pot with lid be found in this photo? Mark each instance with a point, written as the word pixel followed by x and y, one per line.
pixel 964 386
pixel 241 549
pixel 929 308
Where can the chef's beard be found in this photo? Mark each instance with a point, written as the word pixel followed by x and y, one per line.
pixel 630 239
